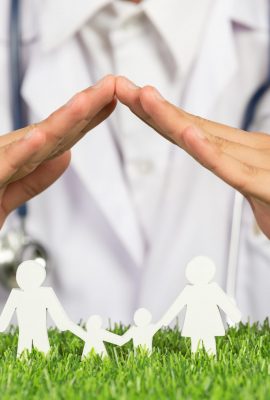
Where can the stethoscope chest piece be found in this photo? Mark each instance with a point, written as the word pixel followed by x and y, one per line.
pixel 17 246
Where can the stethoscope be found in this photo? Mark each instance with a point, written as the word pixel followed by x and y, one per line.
pixel 17 245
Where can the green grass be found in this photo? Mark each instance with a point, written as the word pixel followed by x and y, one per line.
pixel 242 370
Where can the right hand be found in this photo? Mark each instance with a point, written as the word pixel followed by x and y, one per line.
pixel 32 158
pixel 239 158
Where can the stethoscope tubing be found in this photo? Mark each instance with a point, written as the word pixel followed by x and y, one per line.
pixel 19 119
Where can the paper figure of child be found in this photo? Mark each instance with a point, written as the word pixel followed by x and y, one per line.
pixel 31 303
pixel 95 336
pixel 143 331
pixel 203 299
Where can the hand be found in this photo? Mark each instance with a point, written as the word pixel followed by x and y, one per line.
pixel 239 158
pixel 32 158
pixel 63 326
pixel 77 330
pixel 122 340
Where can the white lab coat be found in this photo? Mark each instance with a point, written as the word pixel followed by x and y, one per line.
pixel 87 220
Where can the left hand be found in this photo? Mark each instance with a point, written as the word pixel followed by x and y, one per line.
pixel 239 158
pixel 34 157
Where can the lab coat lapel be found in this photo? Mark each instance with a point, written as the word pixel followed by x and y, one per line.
pixel 181 33
pixel 216 63
pixel 65 19
pixel 95 157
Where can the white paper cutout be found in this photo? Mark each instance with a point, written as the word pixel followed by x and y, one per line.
pixel 95 337
pixel 203 299
pixel 202 323
pixel 143 331
pixel 31 303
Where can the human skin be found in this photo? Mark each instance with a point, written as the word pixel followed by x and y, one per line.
pixel 239 158
pixel 32 158
pixel 29 164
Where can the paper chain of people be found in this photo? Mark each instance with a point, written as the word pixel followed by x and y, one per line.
pixel 202 323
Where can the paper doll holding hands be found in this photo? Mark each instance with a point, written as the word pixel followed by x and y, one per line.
pixel 203 321
pixel 95 336
pixel 143 331
pixel 203 299
pixel 31 302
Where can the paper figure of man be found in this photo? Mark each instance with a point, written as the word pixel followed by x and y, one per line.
pixel 95 336
pixel 31 302
pixel 143 331
pixel 203 299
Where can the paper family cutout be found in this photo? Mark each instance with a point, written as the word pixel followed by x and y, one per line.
pixel 95 337
pixel 203 300
pixel 31 302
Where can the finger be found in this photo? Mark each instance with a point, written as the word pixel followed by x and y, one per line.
pixel 245 178
pixel 129 94
pixel 67 122
pixel 243 153
pixel 257 140
pixel 10 137
pixel 100 117
pixel 148 104
pixel 16 156
pixel 171 119
pixel 176 122
pixel 21 191
pixel 78 112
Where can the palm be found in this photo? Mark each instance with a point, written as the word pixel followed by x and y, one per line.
pixel 15 193
pixel 262 214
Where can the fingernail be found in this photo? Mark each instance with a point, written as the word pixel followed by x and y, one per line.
pixel 157 95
